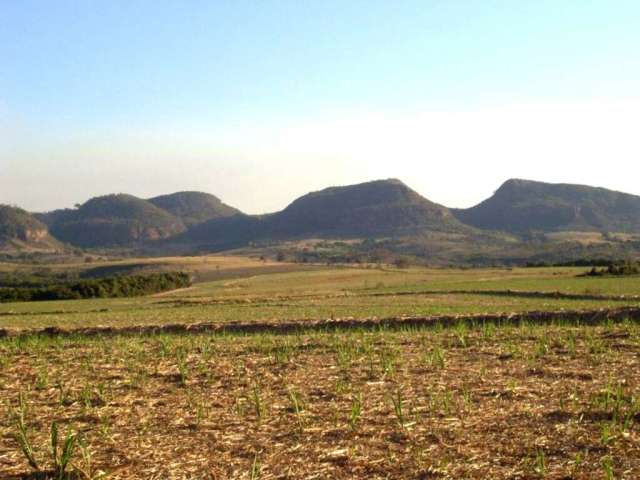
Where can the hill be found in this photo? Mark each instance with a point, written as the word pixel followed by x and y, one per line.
pixel 524 205
pixel 193 207
pixel 373 209
pixel 378 208
pixel 19 230
pixel 524 221
pixel 113 220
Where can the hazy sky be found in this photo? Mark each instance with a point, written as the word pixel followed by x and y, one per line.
pixel 261 101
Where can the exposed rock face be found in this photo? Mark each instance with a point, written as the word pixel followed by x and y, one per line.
pixel 20 229
pixel 33 235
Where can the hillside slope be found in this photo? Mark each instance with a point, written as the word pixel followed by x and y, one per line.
pixel 113 220
pixel 378 208
pixel 373 209
pixel 19 230
pixel 193 207
pixel 523 205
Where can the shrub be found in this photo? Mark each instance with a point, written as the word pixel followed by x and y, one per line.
pixel 616 269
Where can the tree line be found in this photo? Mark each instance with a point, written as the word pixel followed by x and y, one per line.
pixel 110 287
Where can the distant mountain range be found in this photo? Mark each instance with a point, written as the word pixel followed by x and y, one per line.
pixel 378 209
pixel 121 220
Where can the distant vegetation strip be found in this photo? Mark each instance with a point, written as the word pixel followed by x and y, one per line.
pixel 616 269
pixel 573 317
pixel 112 287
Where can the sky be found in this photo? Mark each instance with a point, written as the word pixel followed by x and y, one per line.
pixel 259 102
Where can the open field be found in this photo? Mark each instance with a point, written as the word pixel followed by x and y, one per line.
pixel 312 293
pixel 203 268
pixel 515 400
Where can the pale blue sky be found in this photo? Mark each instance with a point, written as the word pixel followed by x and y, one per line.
pixel 261 101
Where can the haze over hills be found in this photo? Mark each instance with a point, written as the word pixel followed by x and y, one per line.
pixel 386 210
pixel 521 205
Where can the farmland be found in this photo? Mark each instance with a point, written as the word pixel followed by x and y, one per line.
pixel 478 400
pixel 272 292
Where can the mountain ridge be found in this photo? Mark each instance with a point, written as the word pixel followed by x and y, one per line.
pixel 385 208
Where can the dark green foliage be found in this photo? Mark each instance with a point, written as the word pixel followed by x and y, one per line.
pixel 193 207
pixel 118 270
pixel 617 269
pixel 581 262
pixel 522 206
pixel 112 287
pixel 37 278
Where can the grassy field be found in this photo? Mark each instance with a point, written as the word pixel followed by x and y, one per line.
pixel 311 293
pixel 521 401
